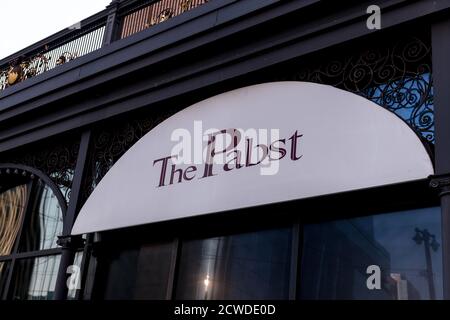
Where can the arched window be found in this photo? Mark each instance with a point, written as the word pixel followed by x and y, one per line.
pixel 31 219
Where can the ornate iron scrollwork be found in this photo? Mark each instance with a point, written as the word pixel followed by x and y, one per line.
pixel 66 57
pixel 112 141
pixel 396 76
pixel 57 161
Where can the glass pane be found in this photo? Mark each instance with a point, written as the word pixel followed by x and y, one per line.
pixel 42 228
pixel 75 271
pixel 12 210
pixel 4 268
pixel 242 266
pixel 35 279
pixel 404 245
pixel 139 273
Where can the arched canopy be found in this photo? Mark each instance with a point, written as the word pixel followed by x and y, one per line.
pixel 320 140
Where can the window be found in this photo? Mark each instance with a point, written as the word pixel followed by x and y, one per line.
pixel 72 293
pixel 31 218
pixel 404 245
pixel 4 268
pixel 35 279
pixel 42 228
pixel 334 259
pixel 243 266
pixel 252 265
pixel 140 272
pixel 12 212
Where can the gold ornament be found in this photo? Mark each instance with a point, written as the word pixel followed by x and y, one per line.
pixel 164 15
pixel 14 75
pixel 185 5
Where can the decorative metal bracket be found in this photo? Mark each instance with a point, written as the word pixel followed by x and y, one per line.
pixel 441 182
pixel 70 242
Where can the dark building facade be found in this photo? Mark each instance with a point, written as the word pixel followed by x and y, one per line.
pixel 75 103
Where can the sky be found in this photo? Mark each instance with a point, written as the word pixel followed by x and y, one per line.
pixel 25 22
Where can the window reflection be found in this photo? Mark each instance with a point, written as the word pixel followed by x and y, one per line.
pixel 35 279
pixel 45 224
pixel 72 292
pixel 30 220
pixel 4 268
pixel 138 273
pixel 336 256
pixel 243 266
pixel 12 210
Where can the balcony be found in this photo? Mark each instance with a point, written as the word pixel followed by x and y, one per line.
pixel 119 20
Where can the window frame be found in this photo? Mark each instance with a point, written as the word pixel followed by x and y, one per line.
pixel 20 174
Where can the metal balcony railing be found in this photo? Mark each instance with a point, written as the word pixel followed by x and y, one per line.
pixel 157 12
pixel 131 16
pixel 68 45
